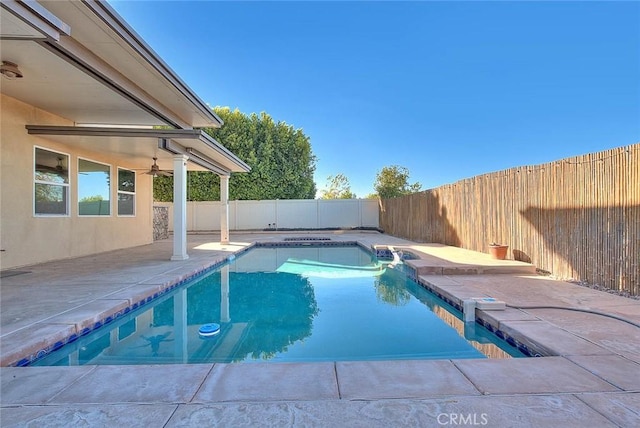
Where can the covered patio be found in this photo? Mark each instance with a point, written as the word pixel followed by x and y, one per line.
pixel 91 113
pixel 187 149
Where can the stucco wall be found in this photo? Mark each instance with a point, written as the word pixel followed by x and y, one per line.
pixel 27 239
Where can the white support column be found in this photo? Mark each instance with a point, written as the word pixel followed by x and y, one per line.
pixel 225 314
pixel 224 209
pixel 181 337
pixel 180 207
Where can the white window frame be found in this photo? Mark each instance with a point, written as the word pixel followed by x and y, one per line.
pixel 110 189
pixel 67 185
pixel 119 192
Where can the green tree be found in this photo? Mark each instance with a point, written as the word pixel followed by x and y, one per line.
pixel 391 288
pixel 338 187
pixel 280 156
pixel 94 198
pixel 393 181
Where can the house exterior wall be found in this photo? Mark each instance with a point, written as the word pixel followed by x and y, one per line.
pixel 27 239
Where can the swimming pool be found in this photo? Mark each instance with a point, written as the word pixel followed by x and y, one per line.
pixel 284 304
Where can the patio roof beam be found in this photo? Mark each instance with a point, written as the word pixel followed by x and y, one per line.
pixel 99 131
pixel 203 161
pixel 215 145
pixel 215 167
pixel 165 135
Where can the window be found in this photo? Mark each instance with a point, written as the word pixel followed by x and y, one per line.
pixel 126 192
pixel 94 188
pixel 51 183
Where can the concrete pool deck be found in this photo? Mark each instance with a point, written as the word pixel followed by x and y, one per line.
pixel 591 379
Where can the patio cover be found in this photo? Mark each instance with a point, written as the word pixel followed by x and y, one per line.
pixel 203 150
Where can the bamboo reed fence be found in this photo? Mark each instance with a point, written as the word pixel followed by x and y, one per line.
pixel 576 218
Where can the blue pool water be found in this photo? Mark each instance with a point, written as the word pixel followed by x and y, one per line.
pixel 289 304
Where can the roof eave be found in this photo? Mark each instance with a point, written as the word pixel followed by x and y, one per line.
pixel 111 18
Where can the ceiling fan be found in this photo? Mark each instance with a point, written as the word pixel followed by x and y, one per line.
pixel 156 171
pixel 58 169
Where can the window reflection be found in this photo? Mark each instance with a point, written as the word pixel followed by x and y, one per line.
pixel 126 192
pixel 94 188
pixel 51 177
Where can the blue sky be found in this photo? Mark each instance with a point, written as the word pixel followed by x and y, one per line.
pixel 448 90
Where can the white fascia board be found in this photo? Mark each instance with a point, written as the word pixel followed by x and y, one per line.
pixel 38 18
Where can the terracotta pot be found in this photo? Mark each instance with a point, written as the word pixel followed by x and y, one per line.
pixel 498 252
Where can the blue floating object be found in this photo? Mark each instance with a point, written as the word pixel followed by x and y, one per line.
pixel 209 329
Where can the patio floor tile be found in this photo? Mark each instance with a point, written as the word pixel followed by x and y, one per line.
pixel 265 381
pixel 396 379
pixel 522 412
pixel 137 384
pixel 100 415
pixel 37 385
pixel 619 371
pixel 622 409
pixel 551 340
pixel 531 376
pixel 613 334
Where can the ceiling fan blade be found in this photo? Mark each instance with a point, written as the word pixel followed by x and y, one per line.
pixel 155 170
pixel 159 172
pixel 49 168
